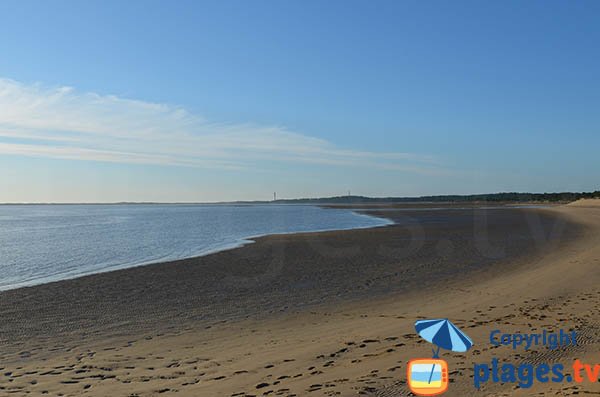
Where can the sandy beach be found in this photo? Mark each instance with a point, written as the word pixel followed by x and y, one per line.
pixel 299 199
pixel 317 314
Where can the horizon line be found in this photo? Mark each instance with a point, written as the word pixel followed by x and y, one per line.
pixel 283 200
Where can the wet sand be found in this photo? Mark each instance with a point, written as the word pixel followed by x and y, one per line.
pixel 308 314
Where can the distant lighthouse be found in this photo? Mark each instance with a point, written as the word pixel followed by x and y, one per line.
pixel 274 196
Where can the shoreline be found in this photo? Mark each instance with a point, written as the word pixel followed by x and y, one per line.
pixel 281 243
pixel 237 354
pixel 360 210
pixel 239 243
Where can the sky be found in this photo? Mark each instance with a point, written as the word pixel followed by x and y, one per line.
pixel 107 101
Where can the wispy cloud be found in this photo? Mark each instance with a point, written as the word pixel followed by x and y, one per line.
pixel 59 122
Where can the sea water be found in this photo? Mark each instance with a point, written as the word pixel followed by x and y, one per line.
pixel 44 243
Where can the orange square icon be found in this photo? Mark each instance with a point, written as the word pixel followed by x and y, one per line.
pixel 427 376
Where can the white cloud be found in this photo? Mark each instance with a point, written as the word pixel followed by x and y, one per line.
pixel 61 123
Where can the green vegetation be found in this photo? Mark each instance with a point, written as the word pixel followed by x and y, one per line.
pixel 494 197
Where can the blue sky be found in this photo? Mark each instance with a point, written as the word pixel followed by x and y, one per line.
pixel 225 100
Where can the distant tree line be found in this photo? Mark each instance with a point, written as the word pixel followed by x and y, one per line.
pixel 497 197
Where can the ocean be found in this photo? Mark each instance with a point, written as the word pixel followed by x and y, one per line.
pixel 45 243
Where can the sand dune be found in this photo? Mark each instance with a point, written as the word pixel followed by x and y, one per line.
pixel 585 203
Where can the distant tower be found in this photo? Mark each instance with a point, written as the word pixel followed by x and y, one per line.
pixel 274 196
pixel 349 193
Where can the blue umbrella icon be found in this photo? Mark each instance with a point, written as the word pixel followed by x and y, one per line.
pixel 443 334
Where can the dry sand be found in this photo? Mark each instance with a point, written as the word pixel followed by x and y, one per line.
pixel 593 203
pixel 344 347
